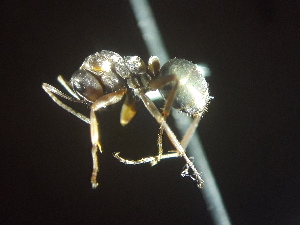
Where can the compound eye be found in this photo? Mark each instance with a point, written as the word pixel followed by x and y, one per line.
pixel 86 85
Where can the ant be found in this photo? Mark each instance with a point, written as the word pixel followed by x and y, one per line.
pixel 105 77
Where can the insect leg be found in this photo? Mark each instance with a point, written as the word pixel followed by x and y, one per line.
pixel 156 84
pixel 181 151
pixel 160 82
pixel 152 159
pixel 102 102
pixel 190 132
pixel 128 110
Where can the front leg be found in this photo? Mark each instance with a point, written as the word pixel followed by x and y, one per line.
pixel 101 103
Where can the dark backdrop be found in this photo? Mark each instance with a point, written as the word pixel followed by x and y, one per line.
pixel 250 133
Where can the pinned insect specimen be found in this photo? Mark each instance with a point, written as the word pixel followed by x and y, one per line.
pixel 105 77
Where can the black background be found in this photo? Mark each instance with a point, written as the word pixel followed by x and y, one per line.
pixel 250 133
